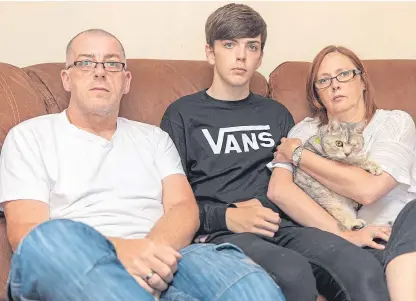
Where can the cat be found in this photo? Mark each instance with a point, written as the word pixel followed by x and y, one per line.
pixel 341 142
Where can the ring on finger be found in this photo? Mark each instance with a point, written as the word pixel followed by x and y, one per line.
pixel 149 275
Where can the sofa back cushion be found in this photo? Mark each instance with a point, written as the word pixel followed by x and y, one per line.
pixel 394 83
pixel 19 99
pixel 155 84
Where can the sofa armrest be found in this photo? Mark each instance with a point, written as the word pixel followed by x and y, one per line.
pixel 5 257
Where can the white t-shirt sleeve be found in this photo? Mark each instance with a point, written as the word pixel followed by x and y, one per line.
pixel 167 158
pixel 394 148
pixel 22 172
pixel 303 131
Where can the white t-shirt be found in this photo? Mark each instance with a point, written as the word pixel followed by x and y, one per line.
pixel 114 186
pixel 390 140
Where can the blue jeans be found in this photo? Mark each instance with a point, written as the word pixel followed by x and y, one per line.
pixel 67 261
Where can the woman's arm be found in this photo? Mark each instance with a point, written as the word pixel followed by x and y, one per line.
pixel 305 211
pixel 393 149
pixel 347 180
pixel 297 204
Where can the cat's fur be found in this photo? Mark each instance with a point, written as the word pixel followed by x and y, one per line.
pixel 327 143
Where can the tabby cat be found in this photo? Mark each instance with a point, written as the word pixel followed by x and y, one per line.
pixel 341 142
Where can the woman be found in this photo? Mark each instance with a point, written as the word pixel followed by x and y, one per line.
pixel 338 86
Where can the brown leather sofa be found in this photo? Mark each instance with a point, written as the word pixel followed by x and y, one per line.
pixel 37 90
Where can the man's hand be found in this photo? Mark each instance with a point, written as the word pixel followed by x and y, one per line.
pixel 251 216
pixel 365 236
pixel 151 264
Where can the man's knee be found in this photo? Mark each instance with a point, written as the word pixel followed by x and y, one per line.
pixel 59 240
pixel 266 289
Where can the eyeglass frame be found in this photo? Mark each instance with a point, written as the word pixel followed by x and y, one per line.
pixel 96 64
pixel 354 71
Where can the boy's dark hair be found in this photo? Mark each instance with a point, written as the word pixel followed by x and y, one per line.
pixel 235 21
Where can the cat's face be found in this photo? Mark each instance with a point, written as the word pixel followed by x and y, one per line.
pixel 341 141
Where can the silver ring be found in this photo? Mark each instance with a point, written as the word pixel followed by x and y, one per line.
pixel 149 275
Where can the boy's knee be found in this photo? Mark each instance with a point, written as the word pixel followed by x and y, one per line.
pixel 295 273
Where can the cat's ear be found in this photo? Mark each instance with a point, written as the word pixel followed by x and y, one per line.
pixel 333 125
pixel 359 127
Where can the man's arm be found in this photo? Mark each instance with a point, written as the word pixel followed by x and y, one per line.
pixel 180 221
pixel 21 217
pixel 211 216
pixel 24 184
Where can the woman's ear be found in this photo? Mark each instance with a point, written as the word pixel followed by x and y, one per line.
pixel 363 76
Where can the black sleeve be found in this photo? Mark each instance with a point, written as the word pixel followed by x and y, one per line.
pixel 288 124
pixel 174 127
pixel 211 215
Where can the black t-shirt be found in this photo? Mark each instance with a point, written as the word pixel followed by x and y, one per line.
pixel 224 148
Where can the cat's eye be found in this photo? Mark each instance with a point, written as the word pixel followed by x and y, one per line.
pixel 339 143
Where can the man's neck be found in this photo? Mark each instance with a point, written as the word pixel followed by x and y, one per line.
pixel 104 126
pixel 222 91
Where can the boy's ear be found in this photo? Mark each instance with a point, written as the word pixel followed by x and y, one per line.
pixel 209 52
pixel 260 60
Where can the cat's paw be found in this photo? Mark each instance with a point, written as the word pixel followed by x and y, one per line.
pixel 354 224
pixel 374 168
pixel 358 224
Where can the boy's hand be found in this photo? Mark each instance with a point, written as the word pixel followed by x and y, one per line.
pixel 251 216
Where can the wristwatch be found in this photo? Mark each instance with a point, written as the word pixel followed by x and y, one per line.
pixel 297 155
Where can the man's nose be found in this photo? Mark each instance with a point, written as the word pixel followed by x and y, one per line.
pixel 99 70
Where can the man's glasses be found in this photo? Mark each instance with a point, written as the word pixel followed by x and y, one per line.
pixel 343 77
pixel 87 65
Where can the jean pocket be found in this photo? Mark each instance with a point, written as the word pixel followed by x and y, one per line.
pixel 230 250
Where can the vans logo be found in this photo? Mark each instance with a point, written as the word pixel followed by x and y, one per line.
pixel 243 142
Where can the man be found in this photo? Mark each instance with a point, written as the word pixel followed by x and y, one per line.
pixel 225 136
pixel 94 203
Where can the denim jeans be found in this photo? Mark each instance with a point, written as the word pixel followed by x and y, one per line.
pixel 67 261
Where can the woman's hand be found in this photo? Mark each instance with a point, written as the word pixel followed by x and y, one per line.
pixel 365 236
pixel 285 150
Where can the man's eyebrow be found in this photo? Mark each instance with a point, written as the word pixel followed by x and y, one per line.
pixel 88 55
pixel 112 55
pixel 253 41
pixel 106 57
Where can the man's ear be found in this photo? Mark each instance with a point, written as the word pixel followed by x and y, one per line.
pixel 209 51
pixel 260 60
pixel 66 80
pixel 127 82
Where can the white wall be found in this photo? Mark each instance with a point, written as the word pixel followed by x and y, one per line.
pixel 37 32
